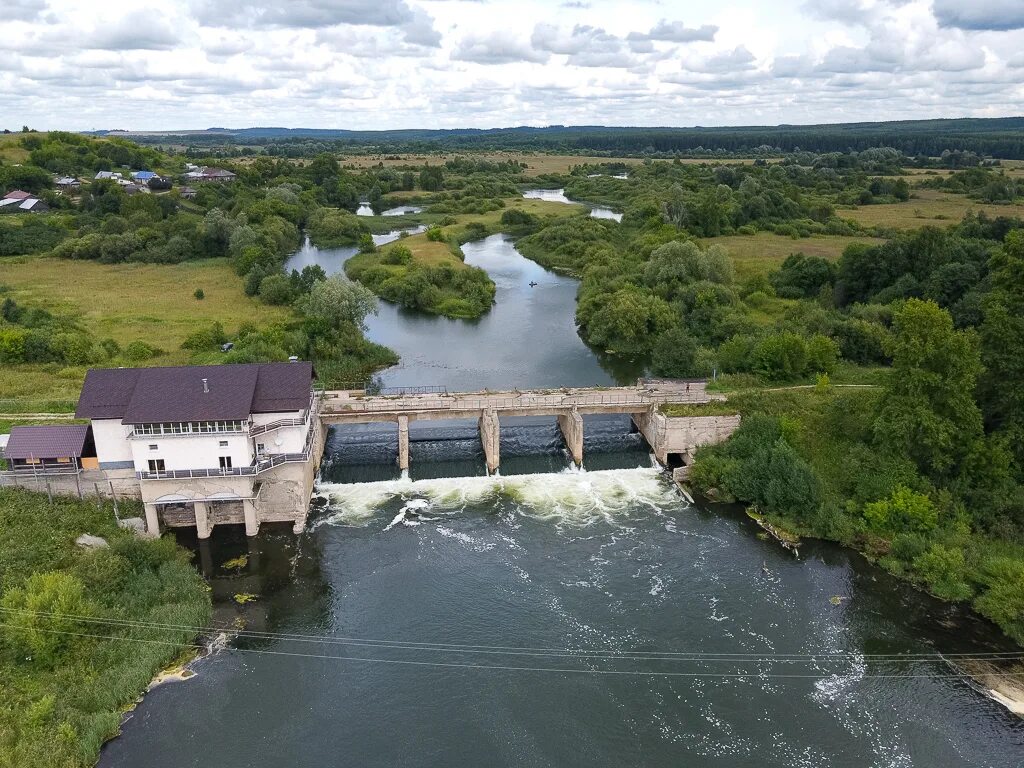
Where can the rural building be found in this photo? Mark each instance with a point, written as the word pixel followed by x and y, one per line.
pixel 209 174
pixel 17 194
pixel 23 205
pixel 208 445
pixel 143 176
pixel 68 184
pixel 108 175
pixel 187 192
pixel 51 449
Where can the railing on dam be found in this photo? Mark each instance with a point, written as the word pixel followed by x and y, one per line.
pixel 622 398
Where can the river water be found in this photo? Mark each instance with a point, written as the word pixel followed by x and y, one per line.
pixel 552 617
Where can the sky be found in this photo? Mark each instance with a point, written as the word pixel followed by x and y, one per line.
pixel 377 64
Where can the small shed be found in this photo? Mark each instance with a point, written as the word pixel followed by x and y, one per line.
pixel 187 192
pixel 51 448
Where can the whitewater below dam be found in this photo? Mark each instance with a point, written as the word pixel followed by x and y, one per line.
pixel 549 616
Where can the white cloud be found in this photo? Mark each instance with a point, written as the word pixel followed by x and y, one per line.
pixel 163 64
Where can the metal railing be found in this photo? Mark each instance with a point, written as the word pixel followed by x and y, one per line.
pixel 260 429
pixel 190 474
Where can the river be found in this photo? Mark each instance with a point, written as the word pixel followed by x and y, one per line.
pixel 551 617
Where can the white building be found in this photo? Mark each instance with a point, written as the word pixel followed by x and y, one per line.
pixel 208 444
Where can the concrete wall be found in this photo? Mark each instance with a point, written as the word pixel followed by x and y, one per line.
pixel 683 434
pixel 284 440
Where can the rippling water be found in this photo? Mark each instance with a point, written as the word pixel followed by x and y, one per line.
pixel 577 618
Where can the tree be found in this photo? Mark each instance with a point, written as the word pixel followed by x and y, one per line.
pixel 628 321
pixel 337 302
pixel 928 412
pixel 1002 344
pixel 780 356
pixel 674 354
pixel 276 289
pixel 432 178
pixel 802 276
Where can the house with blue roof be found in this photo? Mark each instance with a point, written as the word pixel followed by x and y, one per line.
pixel 143 176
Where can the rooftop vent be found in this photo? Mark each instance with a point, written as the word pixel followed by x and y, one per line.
pixel 293 359
pixel 206 387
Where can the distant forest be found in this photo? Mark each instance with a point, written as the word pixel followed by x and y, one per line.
pixel 1001 138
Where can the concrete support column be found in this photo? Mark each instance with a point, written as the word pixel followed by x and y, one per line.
pixel 205 558
pixel 203 525
pixel 252 524
pixel 571 425
pixel 403 442
pixel 490 437
pixel 152 521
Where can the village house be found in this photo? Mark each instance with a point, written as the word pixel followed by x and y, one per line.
pixel 188 193
pixel 209 174
pixel 68 184
pixel 143 176
pixel 113 175
pixel 19 201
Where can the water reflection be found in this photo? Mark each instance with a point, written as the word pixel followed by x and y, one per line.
pixel 528 339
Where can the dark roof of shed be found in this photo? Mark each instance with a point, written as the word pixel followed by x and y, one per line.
pixel 51 441
pixel 233 392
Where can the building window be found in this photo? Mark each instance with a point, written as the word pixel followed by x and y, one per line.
pixel 223 443
pixel 157 465
pixel 153 446
pixel 260 447
pixel 225 462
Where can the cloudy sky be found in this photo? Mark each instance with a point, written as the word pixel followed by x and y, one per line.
pixel 176 64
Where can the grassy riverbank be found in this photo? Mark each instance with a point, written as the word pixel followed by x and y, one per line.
pixel 64 684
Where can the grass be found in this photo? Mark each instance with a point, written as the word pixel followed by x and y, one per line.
pixel 927 206
pixel 62 696
pixel 11 150
pixel 125 302
pixel 762 252
pixel 129 302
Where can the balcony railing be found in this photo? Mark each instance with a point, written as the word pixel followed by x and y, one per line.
pixel 311 409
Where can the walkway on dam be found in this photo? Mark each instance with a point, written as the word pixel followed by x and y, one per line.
pixel 353 407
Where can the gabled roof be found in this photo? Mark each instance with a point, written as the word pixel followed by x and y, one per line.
pixel 52 441
pixel 17 194
pixel 143 175
pixel 231 392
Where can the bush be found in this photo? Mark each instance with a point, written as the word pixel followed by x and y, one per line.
pixel 199 294
pixel 822 354
pixel 276 289
pixel 31 634
pixel 397 255
pixel 780 356
pixel 206 339
pixel 944 570
pixel 904 510
pixel 435 235
pixel 139 351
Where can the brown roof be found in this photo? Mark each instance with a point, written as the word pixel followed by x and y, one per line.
pixel 17 194
pixel 53 441
pixel 231 392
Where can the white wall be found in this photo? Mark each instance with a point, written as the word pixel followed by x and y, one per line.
pixel 284 440
pixel 181 452
pixel 111 438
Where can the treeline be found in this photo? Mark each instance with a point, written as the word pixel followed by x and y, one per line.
pixel 995 137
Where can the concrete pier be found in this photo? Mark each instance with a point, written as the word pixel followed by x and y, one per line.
pixel 203 525
pixel 490 437
pixel 571 425
pixel 403 442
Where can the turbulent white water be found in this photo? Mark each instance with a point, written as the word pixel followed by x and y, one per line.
pixel 571 497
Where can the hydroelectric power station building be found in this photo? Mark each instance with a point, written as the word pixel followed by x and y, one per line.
pixel 203 445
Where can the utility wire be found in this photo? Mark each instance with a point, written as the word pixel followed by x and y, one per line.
pixel 824 657
pixel 496 667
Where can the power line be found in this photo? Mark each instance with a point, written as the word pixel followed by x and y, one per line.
pixel 701 657
pixel 496 667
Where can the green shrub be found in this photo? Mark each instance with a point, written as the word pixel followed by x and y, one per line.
pixel 435 234
pixel 199 294
pixel 904 510
pixel 397 255
pixel 138 351
pixel 944 570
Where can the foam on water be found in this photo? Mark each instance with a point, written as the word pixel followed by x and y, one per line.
pixel 569 497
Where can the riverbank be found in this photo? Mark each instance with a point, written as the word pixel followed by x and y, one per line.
pixel 65 682
pixel 816 446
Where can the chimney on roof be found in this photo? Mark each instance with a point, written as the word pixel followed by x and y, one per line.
pixel 206 387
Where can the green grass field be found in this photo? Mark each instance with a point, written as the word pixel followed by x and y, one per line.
pixel 927 206
pixel 763 252
pixel 125 302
